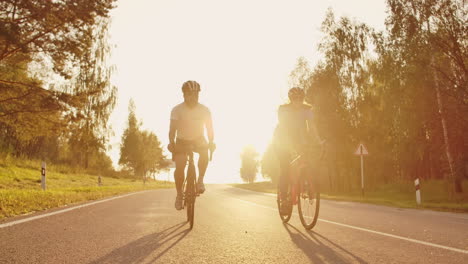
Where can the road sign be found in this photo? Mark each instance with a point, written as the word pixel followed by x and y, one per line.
pixel 361 150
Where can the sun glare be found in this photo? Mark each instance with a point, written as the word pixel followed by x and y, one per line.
pixel 242 65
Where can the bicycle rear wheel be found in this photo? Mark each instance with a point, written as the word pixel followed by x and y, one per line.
pixel 308 203
pixel 284 217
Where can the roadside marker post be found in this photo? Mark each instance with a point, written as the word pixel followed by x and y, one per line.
pixel 43 176
pixel 418 191
pixel 361 151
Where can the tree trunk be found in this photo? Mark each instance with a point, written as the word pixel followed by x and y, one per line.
pixel 451 178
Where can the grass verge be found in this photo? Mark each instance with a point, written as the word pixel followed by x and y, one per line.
pixel 21 193
pixel 396 195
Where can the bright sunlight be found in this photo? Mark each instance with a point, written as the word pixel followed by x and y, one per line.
pixel 241 61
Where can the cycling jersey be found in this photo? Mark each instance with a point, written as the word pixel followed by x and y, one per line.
pixel 191 120
pixel 292 129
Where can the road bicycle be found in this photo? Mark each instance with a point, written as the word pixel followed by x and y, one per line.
pixel 190 187
pixel 303 191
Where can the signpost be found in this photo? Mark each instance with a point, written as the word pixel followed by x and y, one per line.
pixel 361 151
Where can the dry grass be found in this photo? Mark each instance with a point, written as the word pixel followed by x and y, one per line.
pixel 433 195
pixel 20 187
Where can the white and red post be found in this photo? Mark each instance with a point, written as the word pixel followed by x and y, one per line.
pixel 43 176
pixel 418 191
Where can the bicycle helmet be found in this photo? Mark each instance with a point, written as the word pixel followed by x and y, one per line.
pixel 190 86
pixel 296 92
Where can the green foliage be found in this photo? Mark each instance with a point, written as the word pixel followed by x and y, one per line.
pixel 55 96
pixel 90 133
pixel 54 28
pixel 249 164
pixel 140 151
pixel 401 91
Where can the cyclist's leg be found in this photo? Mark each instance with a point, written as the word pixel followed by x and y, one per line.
pixel 202 164
pixel 202 149
pixel 179 172
pixel 180 159
pixel 284 159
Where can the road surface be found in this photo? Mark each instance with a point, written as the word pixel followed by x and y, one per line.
pixel 231 226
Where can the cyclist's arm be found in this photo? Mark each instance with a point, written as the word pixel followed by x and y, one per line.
pixel 173 130
pixel 209 129
pixel 174 125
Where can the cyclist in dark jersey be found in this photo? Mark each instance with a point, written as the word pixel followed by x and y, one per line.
pixel 295 132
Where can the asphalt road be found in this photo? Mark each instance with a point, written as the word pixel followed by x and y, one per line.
pixel 231 226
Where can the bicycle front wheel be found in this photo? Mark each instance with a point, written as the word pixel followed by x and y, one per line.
pixel 191 195
pixel 308 203
pixel 284 216
pixel 190 213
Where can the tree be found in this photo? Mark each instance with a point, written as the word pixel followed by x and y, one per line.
pixel 129 147
pixel 153 159
pixel 401 91
pixel 436 30
pixel 249 164
pixel 54 29
pixel 90 133
pixel 56 35
pixel 140 150
pixel 339 90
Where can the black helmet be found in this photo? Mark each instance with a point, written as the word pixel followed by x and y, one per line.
pixel 190 86
pixel 296 92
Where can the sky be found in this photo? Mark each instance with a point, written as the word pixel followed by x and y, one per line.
pixel 241 52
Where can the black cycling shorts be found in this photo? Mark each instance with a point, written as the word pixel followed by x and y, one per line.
pixel 198 145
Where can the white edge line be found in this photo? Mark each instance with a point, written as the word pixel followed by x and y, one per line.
pixel 367 230
pixel 8 224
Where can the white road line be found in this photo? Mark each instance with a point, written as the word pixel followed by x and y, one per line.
pixel 366 230
pixel 259 193
pixel 63 210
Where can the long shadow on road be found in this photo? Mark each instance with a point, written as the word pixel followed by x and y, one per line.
pixel 317 251
pixel 138 250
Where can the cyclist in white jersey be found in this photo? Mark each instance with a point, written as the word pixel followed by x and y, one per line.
pixel 187 128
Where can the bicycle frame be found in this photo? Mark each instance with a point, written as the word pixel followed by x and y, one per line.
pixel 296 169
pixel 189 186
pixel 301 190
